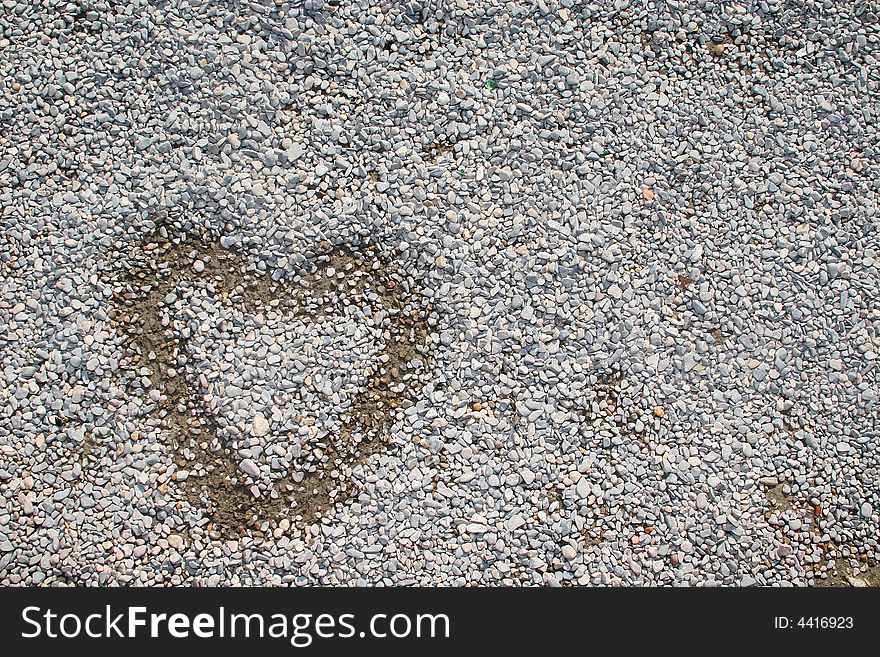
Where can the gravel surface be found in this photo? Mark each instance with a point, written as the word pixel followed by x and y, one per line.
pixel 439 292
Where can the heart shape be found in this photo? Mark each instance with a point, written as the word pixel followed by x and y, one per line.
pixel 241 472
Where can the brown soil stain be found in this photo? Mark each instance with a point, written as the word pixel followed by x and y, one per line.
pixel 331 280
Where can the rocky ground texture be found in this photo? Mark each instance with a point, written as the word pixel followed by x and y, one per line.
pixel 439 292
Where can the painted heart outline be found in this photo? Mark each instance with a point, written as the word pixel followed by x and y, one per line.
pixel 331 279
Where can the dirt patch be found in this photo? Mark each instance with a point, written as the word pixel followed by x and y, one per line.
pixel 603 401
pixel 842 573
pixel 329 281
pixel 777 500
pixel 842 576
pixel 684 282
pixel 437 150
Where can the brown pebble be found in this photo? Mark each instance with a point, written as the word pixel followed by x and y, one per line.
pixel 16 86
pixel 477 406
pixel 648 194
